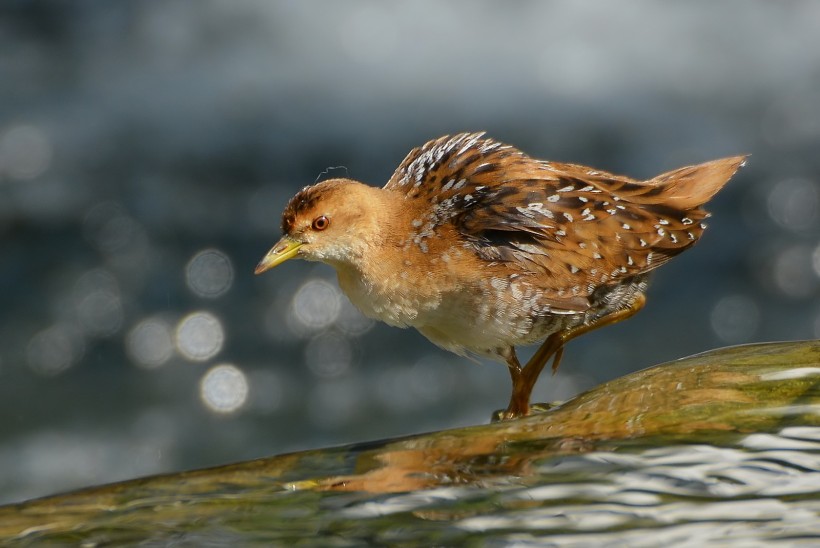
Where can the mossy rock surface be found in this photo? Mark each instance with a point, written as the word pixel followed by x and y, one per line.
pixel 505 482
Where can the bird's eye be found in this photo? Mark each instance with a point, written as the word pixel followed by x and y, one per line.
pixel 320 223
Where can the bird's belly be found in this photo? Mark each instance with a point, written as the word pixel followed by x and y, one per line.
pixel 485 330
pixel 476 319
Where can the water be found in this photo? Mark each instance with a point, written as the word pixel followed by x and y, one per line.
pixel 683 495
pixel 717 449
pixel 758 490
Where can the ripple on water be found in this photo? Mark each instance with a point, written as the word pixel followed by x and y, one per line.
pixel 683 494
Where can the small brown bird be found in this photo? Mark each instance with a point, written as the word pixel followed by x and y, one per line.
pixel 483 248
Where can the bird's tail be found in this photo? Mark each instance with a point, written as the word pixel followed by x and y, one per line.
pixel 689 187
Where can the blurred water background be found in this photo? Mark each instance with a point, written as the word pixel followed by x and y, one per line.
pixel 147 150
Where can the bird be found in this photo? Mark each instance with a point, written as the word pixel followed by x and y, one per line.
pixel 483 248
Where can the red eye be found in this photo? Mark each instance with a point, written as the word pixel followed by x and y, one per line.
pixel 320 223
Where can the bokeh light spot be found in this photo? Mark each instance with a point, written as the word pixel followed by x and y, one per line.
pixel 100 313
pixel 352 322
pixel 794 273
pixel 54 350
pixel 25 152
pixel 209 273
pixel 735 318
pixel 224 389
pixel 99 307
pixel 110 228
pixel 794 204
pixel 150 343
pixel 199 336
pixel 315 305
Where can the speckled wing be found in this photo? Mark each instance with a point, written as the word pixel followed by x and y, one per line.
pixel 454 175
pixel 568 228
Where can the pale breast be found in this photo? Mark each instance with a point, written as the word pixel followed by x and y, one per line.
pixel 484 316
pixel 483 313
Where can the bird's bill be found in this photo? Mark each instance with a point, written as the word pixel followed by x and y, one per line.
pixel 284 249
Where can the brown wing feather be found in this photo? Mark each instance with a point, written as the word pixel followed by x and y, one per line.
pixel 569 228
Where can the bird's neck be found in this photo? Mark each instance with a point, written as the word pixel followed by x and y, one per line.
pixel 377 225
pixel 374 273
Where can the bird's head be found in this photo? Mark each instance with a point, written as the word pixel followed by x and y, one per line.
pixel 334 221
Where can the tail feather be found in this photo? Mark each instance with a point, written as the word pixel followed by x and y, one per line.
pixel 692 186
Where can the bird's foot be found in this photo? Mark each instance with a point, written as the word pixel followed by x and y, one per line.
pixel 506 414
pixel 543 407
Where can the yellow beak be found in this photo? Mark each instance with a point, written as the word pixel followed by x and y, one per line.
pixel 285 249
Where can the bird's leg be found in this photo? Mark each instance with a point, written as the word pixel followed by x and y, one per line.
pixel 609 319
pixel 523 378
pixel 519 402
